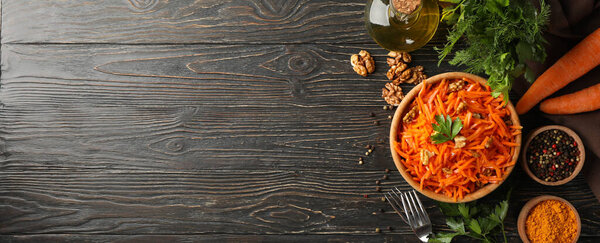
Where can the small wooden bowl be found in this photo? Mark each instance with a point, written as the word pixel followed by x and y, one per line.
pixel 571 133
pixel 396 122
pixel 534 201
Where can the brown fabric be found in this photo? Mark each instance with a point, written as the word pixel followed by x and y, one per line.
pixel 570 22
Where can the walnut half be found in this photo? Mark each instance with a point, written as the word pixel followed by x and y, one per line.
pixel 460 142
pixel 410 115
pixel 456 86
pixel 363 63
pixel 392 94
pixel 425 156
pixel 400 73
pixel 461 106
pixel 398 57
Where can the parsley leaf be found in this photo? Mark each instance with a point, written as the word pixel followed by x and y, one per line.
pixel 474 226
pixel 456 225
pixel 449 209
pixel 443 237
pixel 464 210
pixel 445 129
pixel 501 210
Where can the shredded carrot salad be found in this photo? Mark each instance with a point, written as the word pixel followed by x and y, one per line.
pixel 485 155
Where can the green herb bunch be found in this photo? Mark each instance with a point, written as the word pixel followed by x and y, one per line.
pixel 476 220
pixel 500 37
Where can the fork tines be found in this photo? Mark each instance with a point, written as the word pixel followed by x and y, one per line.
pixel 412 211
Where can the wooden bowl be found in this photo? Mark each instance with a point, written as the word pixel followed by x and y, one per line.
pixel 396 122
pixel 571 133
pixel 534 201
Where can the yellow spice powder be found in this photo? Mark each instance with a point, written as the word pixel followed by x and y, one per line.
pixel 551 221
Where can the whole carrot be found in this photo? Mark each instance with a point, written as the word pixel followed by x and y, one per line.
pixel 578 61
pixel 587 99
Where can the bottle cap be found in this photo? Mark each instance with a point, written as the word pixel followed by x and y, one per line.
pixel 406 6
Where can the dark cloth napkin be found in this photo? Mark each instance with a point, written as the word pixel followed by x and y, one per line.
pixel 570 22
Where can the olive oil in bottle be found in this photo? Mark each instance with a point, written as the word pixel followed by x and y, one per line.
pixel 402 25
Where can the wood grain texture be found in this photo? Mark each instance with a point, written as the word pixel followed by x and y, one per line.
pixel 202 121
pixel 191 107
pixel 215 201
pixel 209 238
pixel 168 139
pixel 184 21
pixel 188 138
pixel 387 238
pixel 200 202
pixel 216 75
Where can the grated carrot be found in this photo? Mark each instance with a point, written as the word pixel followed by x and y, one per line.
pixel 456 172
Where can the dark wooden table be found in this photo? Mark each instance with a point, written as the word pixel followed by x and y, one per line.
pixel 156 120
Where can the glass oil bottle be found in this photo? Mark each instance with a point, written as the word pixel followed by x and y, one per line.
pixel 402 28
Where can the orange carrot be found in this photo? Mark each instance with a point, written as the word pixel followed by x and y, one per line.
pixel 587 99
pixel 578 61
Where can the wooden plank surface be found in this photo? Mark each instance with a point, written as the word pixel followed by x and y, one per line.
pixel 225 238
pixel 100 201
pixel 200 202
pixel 205 238
pixel 192 107
pixel 137 121
pixel 184 21
pixel 307 75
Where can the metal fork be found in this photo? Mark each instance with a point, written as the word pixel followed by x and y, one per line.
pixel 414 213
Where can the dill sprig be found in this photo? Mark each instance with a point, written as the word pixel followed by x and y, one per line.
pixel 499 38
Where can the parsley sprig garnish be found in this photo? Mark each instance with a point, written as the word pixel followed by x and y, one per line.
pixel 445 129
pixel 476 220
